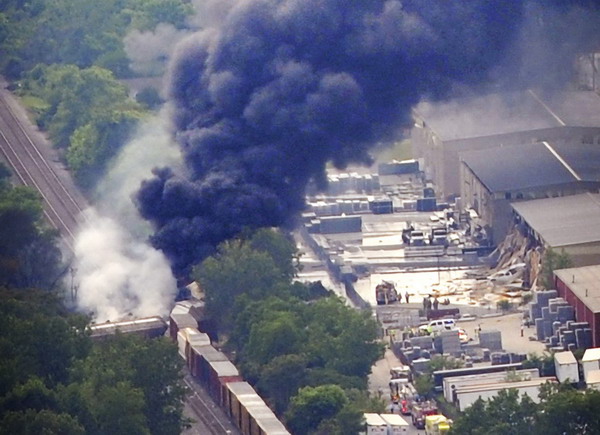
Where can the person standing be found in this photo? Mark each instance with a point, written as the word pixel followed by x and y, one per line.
pixel 406 295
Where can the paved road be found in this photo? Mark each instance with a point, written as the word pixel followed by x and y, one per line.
pixel 35 163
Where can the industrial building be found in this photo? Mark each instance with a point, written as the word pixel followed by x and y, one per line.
pixel 580 287
pixel 570 223
pixel 493 179
pixel 444 130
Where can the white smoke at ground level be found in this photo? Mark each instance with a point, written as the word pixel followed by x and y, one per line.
pixel 119 276
pixel 116 271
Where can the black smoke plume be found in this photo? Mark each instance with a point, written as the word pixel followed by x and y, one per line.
pixel 281 87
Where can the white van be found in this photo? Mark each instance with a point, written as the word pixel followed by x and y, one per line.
pixel 436 326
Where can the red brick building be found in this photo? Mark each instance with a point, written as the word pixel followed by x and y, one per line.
pixel 580 287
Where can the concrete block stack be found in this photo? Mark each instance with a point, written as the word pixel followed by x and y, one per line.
pixel 448 343
pixel 555 323
pixel 540 300
pixel 424 342
pixel 491 340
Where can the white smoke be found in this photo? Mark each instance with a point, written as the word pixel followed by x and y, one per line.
pixel 117 273
pixel 149 51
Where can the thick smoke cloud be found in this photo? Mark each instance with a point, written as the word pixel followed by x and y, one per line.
pixel 264 100
pixel 117 273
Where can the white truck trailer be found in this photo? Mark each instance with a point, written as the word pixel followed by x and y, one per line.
pixel 457 382
pixel 375 424
pixel 567 369
pixel 590 361
pixel 465 397
pixel 396 425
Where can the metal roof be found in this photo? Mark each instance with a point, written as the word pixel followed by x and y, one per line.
pixel 373 419
pixel 518 167
pixel 565 221
pixel 584 282
pixel 504 385
pixel 511 112
pixel 592 354
pixel 565 357
pixel 224 368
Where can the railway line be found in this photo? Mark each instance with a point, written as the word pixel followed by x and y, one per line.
pixel 28 159
pixel 212 422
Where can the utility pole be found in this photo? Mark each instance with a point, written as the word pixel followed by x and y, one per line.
pixel 74 287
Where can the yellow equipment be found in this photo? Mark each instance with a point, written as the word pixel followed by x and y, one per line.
pixel 437 424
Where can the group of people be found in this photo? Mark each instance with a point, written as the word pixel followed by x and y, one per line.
pixel 428 304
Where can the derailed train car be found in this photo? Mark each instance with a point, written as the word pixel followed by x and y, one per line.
pixel 221 379
pixel 149 327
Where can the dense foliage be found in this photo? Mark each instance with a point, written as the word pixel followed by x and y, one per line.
pixel 551 261
pixel 66 56
pixel 76 32
pixel 562 410
pixel 305 350
pixel 86 111
pixel 54 381
pixel 28 253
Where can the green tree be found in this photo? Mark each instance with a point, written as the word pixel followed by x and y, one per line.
pixel 38 339
pixel 552 261
pixel 564 410
pixel 282 249
pixel 281 378
pixel 47 422
pixel 273 337
pixel 341 338
pixel 236 269
pixel 544 363
pixel 311 406
pixel 424 384
pixel 94 144
pixel 79 33
pixel 504 414
pixel 137 375
pixel 87 111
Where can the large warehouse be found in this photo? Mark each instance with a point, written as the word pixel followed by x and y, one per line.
pixel 493 179
pixel 443 130
pixel 570 223
pixel 580 287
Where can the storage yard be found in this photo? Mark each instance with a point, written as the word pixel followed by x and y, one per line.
pixel 411 261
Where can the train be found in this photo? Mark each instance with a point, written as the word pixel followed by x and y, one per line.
pixel 216 373
pixel 149 327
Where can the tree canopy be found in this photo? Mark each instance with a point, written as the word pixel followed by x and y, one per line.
pixel 290 337
pixel 78 33
pixel 86 111
pixel 29 256
pixel 54 380
pixel 562 410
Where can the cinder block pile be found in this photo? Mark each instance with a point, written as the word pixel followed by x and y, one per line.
pixel 448 343
pixel 555 323
pixel 491 340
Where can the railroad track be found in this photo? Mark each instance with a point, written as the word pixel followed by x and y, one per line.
pixel 203 410
pixel 30 166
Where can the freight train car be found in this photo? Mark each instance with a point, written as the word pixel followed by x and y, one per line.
pixel 149 327
pixel 212 369
pixel 249 412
